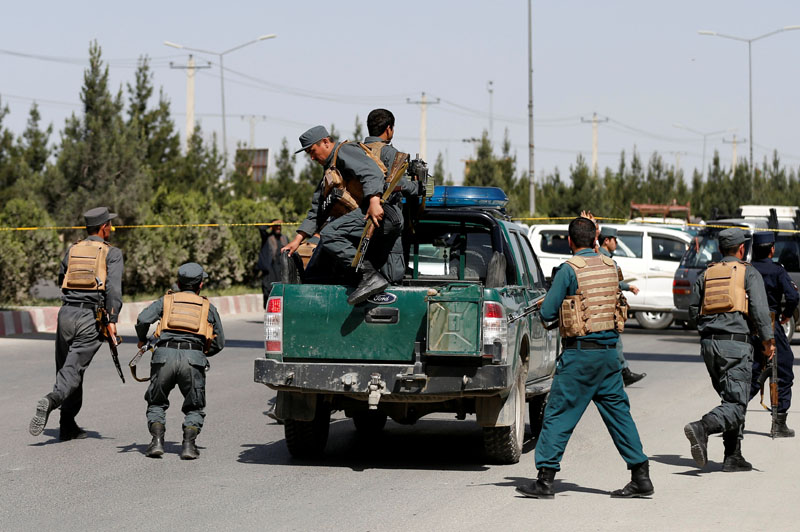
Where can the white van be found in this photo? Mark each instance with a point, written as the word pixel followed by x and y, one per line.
pixel 648 256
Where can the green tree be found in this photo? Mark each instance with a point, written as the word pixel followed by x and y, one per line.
pixel 358 132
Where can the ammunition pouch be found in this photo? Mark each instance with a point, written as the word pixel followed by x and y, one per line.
pixel 724 288
pixel 86 266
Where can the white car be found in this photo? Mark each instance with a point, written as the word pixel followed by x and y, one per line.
pixel 648 256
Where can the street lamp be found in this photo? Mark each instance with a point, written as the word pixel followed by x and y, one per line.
pixel 750 71
pixel 221 74
pixel 705 136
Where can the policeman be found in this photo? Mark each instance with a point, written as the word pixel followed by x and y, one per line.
pixel 608 245
pixel 189 331
pixel 348 194
pixel 91 284
pixel 779 287
pixel 590 320
pixel 722 298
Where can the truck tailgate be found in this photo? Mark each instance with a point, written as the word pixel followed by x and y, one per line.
pixel 319 324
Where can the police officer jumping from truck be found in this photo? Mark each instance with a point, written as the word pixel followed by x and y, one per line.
pixel 779 287
pixel 586 300
pixel 722 298
pixel 349 193
pixel 189 331
pixel 91 283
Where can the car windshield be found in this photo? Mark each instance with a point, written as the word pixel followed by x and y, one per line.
pixel 787 252
pixel 704 249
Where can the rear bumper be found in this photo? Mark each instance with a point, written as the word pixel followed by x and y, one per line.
pixel 681 314
pixel 398 380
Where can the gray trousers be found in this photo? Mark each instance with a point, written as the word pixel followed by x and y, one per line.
pixel 729 365
pixel 77 340
pixel 182 368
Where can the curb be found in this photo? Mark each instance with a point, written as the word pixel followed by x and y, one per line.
pixel 45 319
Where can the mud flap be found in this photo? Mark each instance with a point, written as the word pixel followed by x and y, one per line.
pixel 496 411
pixel 299 406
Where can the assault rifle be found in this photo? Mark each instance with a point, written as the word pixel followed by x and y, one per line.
pixel 770 372
pixel 113 341
pixel 148 346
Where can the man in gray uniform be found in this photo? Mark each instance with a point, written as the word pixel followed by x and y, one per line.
pixel 722 299
pixel 91 282
pixel 608 245
pixel 349 193
pixel 190 330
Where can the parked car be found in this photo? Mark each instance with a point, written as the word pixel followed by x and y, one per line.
pixel 647 254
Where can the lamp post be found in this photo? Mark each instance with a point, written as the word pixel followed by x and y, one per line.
pixel 705 136
pixel 750 72
pixel 221 74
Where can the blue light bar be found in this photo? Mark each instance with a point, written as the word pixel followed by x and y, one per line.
pixel 456 196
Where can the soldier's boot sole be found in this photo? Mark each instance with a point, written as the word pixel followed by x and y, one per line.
pixel 39 420
pixel 699 447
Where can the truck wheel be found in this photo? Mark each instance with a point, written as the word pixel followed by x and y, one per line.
pixel 369 422
pixel 654 320
pixel 307 439
pixel 536 407
pixel 503 445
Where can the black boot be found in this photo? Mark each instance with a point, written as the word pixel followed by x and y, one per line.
pixel 697 432
pixel 629 377
pixel 639 486
pixel 734 461
pixel 156 447
pixel 69 430
pixel 779 428
pixel 189 449
pixel 373 282
pixel 542 487
pixel 43 408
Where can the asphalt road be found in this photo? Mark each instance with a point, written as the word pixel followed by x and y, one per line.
pixel 430 476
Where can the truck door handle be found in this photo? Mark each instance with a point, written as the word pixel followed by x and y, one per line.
pixel 386 315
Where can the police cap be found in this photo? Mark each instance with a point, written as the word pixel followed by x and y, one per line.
pixel 763 238
pixel 311 137
pixel 98 216
pixel 191 274
pixel 731 238
pixel 608 232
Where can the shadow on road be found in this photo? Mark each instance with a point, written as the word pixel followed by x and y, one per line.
pixel 53 434
pixel 169 448
pixel 51 336
pixel 246 344
pixel 560 486
pixel 665 357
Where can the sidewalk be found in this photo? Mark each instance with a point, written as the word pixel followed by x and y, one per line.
pixel 45 319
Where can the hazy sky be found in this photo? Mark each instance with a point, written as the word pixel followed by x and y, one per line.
pixel 641 64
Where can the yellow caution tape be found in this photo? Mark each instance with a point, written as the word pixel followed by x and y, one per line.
pixel 144 226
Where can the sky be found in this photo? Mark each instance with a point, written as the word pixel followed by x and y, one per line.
pixel 639 64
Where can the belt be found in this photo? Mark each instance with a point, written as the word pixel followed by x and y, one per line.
pixel 574 343
pixel 81 305
pixel 730 337
pixel 180 345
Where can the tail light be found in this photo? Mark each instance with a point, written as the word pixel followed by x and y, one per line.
pixel 495 332
pixel 273 326
pixel 681 287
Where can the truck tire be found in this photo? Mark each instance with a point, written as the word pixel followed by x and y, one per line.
pixel 536 406
pixel 654 320
pixel 503 445
pixel 307 439
pixel 369 422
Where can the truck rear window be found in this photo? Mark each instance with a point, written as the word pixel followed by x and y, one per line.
pixel 450 252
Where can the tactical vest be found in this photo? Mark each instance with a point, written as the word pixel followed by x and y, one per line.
pixel 86 266
pixel 598 305
pixel 350 193
pixel 186 312
pixel 374 151
pixel 724 288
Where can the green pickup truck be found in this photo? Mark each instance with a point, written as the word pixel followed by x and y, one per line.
pixel 461 334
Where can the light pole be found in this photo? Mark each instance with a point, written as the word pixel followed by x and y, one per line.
pixel 705 136
pixel 749 73
pixel 221 75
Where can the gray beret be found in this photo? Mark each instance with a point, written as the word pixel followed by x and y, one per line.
pixel 730 238
pixel 97 216
pixel 608 232
pixel 311 137
pixel 190 274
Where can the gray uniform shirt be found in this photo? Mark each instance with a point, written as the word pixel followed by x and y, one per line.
pixel 352 163
pixel 388 154
pixel 111 297
pixel 733 322
pixel 153 313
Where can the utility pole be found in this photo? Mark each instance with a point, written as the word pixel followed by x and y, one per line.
pixel 734 142
pixel 595 121
pixel 190 74
pixel 531 184
pixel 423 124
pixel 490 88
pixel 253 119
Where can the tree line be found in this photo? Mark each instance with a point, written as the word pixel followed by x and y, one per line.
pixel 123 150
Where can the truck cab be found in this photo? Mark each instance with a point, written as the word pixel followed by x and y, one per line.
pixel 460 334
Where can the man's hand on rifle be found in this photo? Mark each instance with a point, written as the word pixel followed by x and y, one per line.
pixel 292 246
pixel 375 210
pixel 112 332
pixel 140 344
pixel 769 348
